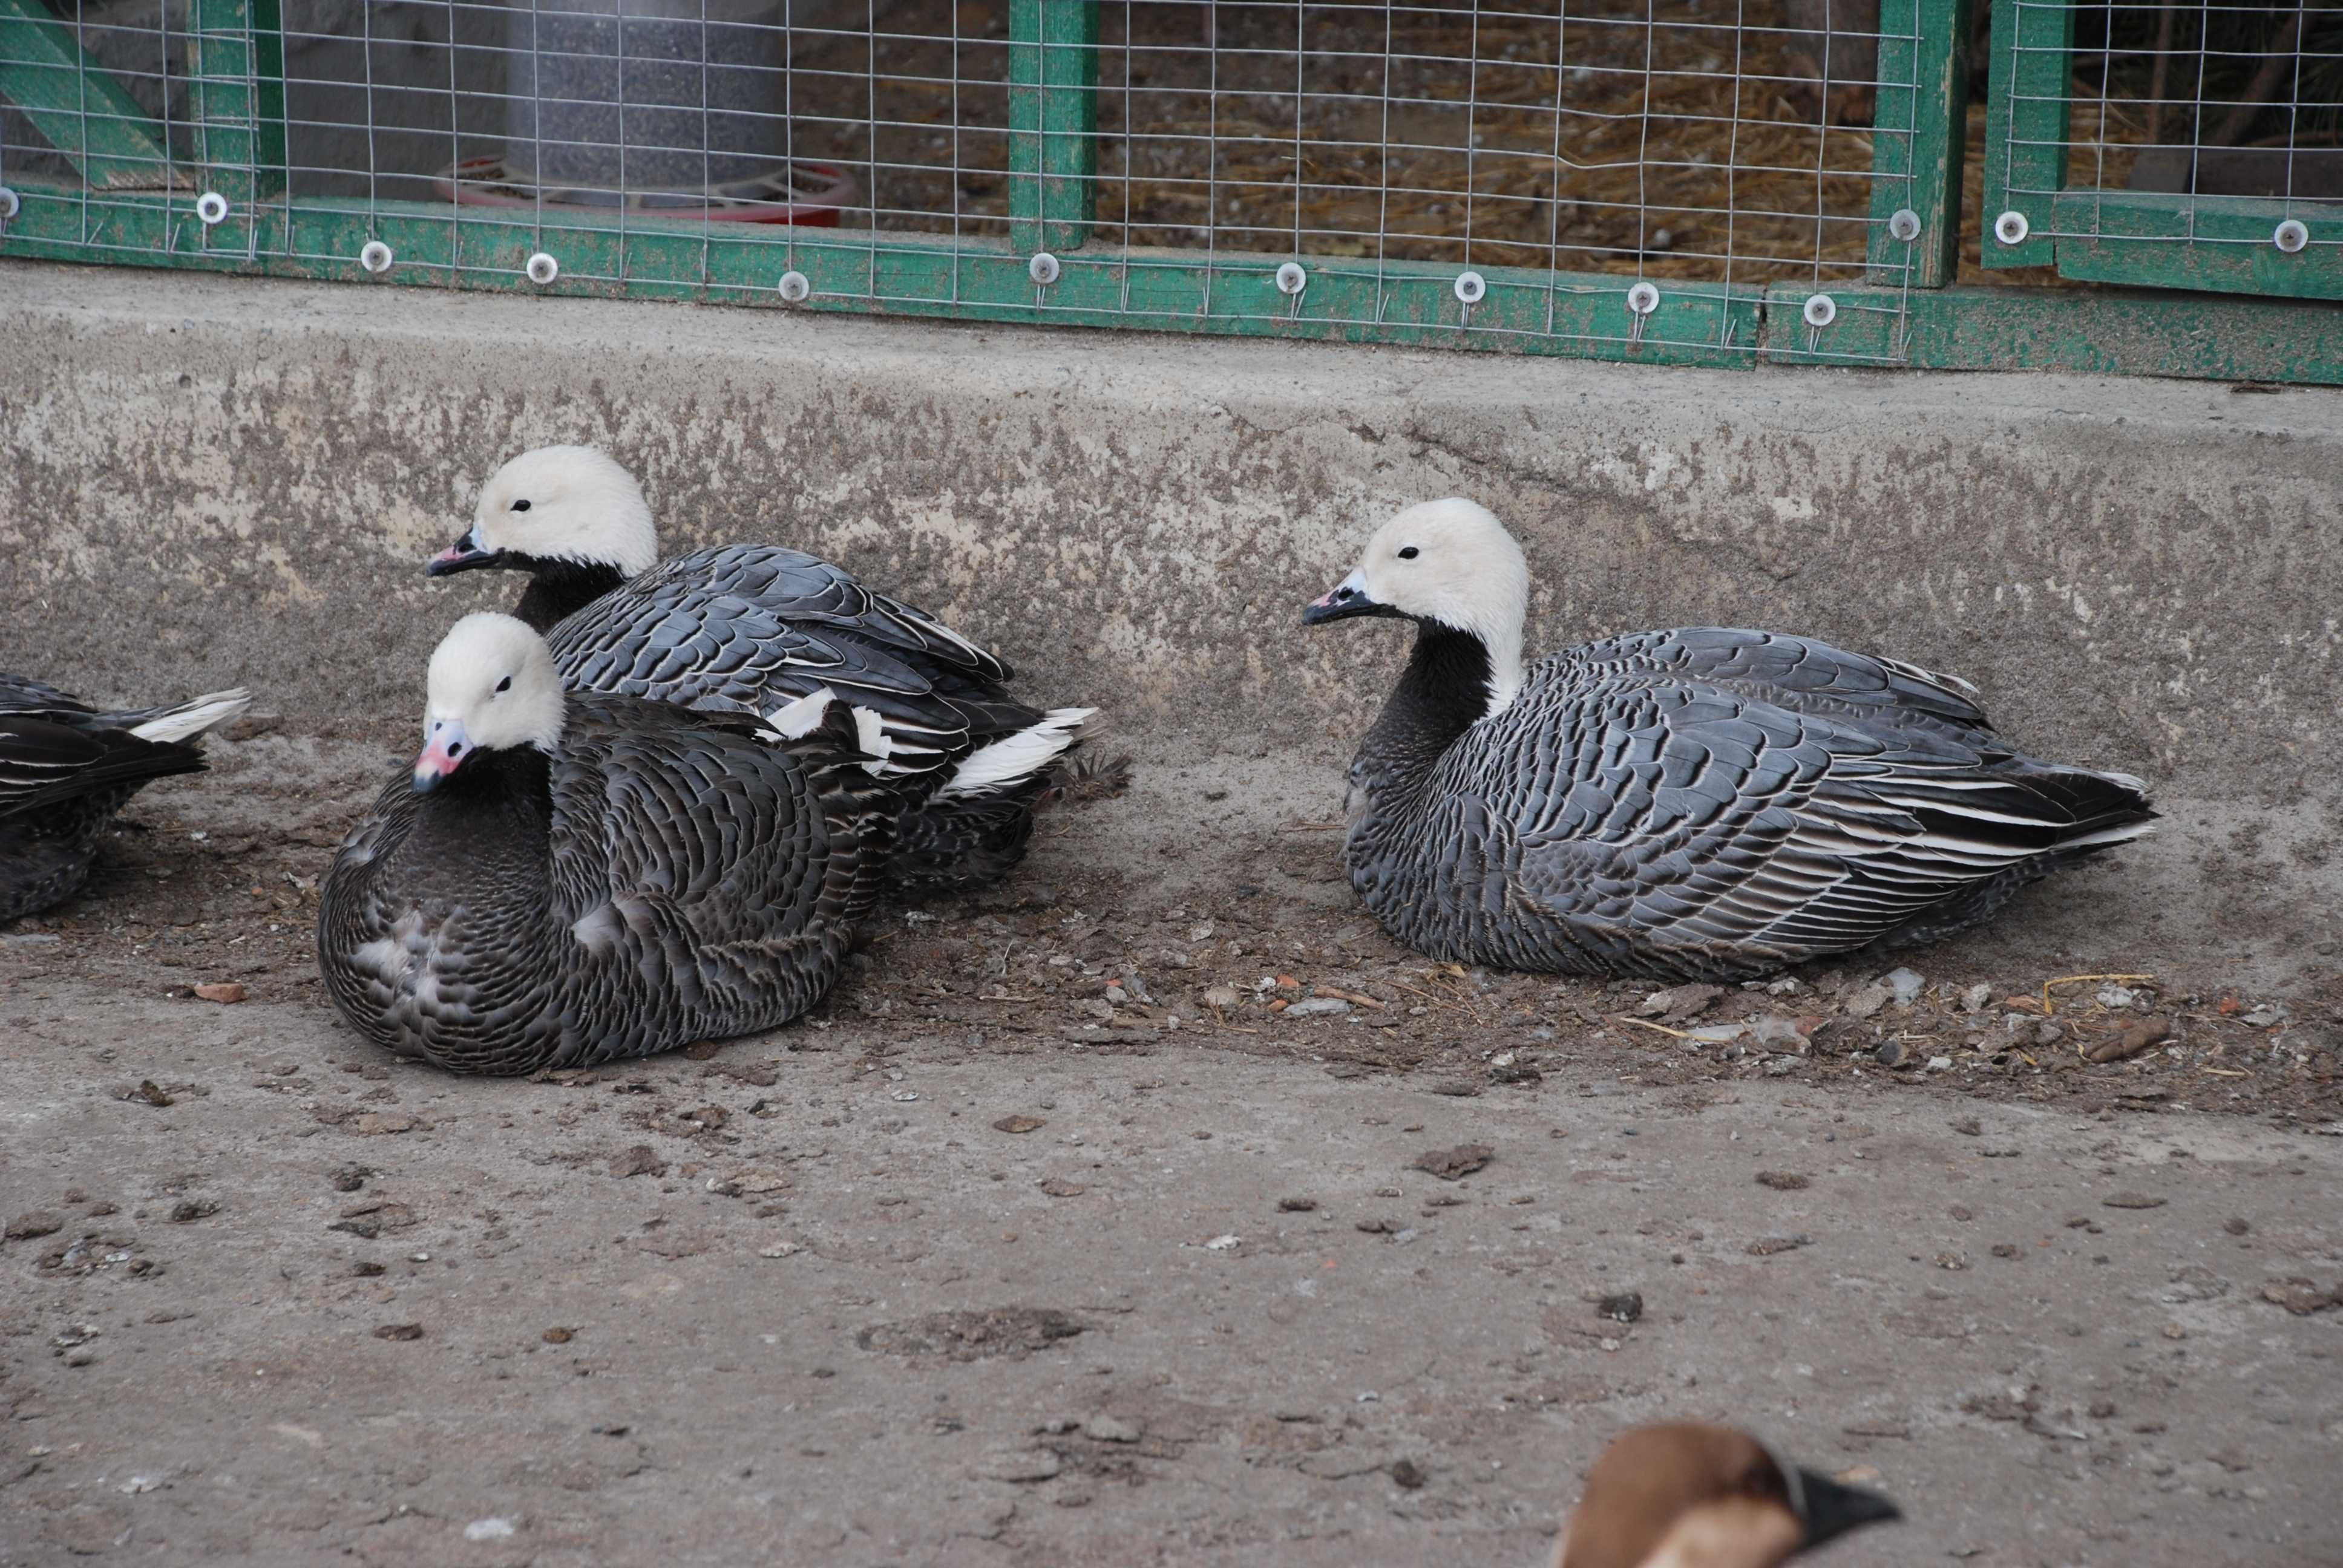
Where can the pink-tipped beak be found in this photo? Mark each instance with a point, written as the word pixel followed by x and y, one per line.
pixel 445 748
pixel 462 555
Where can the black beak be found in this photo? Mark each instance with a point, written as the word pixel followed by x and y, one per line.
pixel 1342 602
pixel 463 556
pixel 1833 1510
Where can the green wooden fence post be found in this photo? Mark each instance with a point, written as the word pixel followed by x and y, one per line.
pixel 1053 123
pixel 2027 120
pixel 1924 92
pixel 239 81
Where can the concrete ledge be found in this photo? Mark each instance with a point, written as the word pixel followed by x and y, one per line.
pixel 212 480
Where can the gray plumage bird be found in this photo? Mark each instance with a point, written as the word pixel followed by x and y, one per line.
pixel 743 627
pixel 66 769
pixel 1704 803
pixel 565 882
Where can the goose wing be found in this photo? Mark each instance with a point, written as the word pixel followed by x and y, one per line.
pixel 1794 672
pixel 746 629
pixel 43 761
pixel 1711 822
pixel 23 694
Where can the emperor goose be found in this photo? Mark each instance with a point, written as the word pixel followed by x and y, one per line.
pixel 1691 1495
pixel 563 883
pixel 66 769
pixel 1705 803
pixel 748 626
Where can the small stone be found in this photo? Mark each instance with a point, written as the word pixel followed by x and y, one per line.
pixel 1968 1127
pixel 1454 1165
pixel 1020 1464
pixel 1020 1123
pixel 1407 1475
pixel 1781 1066
pixel 1625 1307
pixel 222 992
pixel 1318 1007
pixel 1867 1001
pixel 558 1336
pixel 1784 1180
pixel 80 1356
pixel 780 1250
pixel 1220 997
pixel 1059 1187
pixel 490 1529
pixel 398 1331
pixel 1974 999
pixel 2132 1200
pixel 1296 1205
pixel 641 1160
pixel 1896 1053
pixel 1961 1211
pixel 1904 985
pixel 381 1124
pixel 2009 1249
pixel 2301 1297
pixel 2134 1038
pixel 1224 1243
pixel 1767 1246
pixel 191 1209
pixel 39 1222
pixel 350 1178
pixel 1107 1429
pixel 2236 1227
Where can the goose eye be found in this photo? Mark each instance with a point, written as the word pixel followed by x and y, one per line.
pixel 520 505
pixel 506 684
pixel 1408 554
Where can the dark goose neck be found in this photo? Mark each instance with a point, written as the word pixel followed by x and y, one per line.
pixel 487 826
pixel 560 589
pixel 1443 691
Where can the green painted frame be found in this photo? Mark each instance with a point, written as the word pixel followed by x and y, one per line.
pixel 1905 315
pixel 2147 238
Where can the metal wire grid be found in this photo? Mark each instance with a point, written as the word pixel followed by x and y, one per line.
pixel 2191 101
pixel 1620 146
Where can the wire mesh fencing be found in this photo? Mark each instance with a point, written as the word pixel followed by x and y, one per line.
pixel 1708 180
pixel 2182 144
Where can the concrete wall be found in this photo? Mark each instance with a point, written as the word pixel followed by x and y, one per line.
pixel 207 480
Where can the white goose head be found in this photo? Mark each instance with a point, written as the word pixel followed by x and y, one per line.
pixel 570 504
pixel 1448 563
pixel 492 687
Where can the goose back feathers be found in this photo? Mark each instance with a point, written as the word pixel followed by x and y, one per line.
pixel 652 876
pixel 746 628
pixel 66 769
pixel 1704 803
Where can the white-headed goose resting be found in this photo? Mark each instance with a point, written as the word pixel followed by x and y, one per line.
pixel 1705 803
pixel 751 627
pixel 568 881
pixel 66 769
pixel 1687 1495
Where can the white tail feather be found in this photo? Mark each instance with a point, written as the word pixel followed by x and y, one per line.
pixel 1018 756
pixel 190 720
pixel 799 717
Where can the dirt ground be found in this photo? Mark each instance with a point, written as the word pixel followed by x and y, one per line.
pixel 1133 1213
